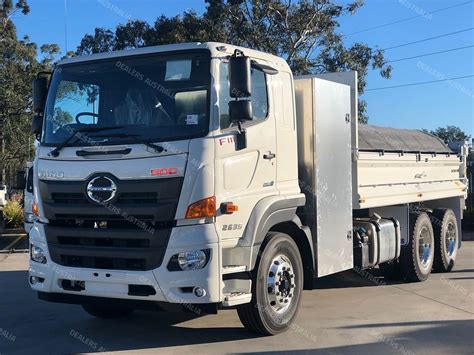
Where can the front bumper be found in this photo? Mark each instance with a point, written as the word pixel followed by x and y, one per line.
pixel 170 286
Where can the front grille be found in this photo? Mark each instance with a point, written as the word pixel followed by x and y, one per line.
pixel 151 200
pixel 130 233
pixel 103 263
pixel 107 248
pixel 80 198
pixel 105 242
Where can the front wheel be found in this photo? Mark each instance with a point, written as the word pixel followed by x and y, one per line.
pixel 107 311
pixel 277 285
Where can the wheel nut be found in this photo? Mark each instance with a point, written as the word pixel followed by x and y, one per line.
pixel 277 283
pixel 283 268
pixel 286 301
pixel 277 294
pixel 292 286
pixel 281 300
pixel 290 295
pixel 279 274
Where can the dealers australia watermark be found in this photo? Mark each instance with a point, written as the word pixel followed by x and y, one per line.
pixel 115 9
pixel 418 10
pixel 119 212
pixel 7 335
pixel 140 76
pixel 86 341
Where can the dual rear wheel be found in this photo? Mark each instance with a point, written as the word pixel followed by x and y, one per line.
pixel 446 239
pixel 433 244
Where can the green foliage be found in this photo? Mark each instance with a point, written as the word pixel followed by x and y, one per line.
pixel 449 134
pixel 13 214
pixel 62 117
pixel 303 32
pixel 18 67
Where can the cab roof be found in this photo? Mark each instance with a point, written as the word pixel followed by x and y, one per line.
pixel 215 48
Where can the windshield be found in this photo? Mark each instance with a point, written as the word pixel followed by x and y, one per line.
pixel 155 98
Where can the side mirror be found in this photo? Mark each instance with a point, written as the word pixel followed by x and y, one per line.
pixel 239 76
pixel 240 111
pixel 20 180
pixel 37 125
pixel 40 90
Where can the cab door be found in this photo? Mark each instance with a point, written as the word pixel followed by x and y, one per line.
pixel 245 176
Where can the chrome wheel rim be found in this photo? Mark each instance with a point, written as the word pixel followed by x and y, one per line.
pixel 450 239
pixel 280 284
pixel 425 246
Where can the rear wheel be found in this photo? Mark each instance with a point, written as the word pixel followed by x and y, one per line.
pixel 446 236
pixel 277 285
pixel 416 258
pixel 107 311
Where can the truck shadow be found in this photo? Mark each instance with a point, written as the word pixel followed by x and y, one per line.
pixel 433 337
pixel 353 278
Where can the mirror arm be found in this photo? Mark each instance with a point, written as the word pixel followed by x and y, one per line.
pixel 267 69
pixel 241 139
pixel 45 73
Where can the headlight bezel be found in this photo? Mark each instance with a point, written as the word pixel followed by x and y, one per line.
pixel 37 254
pixel 190 260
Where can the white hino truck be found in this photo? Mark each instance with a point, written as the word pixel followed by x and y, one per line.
pixel 204 176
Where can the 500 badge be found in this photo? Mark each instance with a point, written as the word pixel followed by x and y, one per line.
pixel 231 227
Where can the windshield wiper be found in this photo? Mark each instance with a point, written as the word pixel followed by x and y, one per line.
pixel 134 137
pixel 55 152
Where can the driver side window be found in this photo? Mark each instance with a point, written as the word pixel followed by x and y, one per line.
pixel 259 97
pixel 72 99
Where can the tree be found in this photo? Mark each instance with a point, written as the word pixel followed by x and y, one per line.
pixel 18 68
pixel 303 32
pixel 102 41
pixel 450 134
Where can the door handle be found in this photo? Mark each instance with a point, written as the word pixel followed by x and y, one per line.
pixel 269 156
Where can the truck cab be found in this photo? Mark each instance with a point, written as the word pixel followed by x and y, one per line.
pixel 165 219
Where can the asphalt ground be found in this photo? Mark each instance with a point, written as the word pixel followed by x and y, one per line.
pixel 347 313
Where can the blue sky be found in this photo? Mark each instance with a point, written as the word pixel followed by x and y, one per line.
pixel 422 106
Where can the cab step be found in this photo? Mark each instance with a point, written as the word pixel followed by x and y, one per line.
pixel 232 269
pixel 235 298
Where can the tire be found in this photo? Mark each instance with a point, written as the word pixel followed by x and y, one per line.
pixel 277 285
pixel 107 311
pixel 416 258
pixel 446 236
pixel 391 270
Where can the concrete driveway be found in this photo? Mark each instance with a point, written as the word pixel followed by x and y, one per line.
pixel 347 313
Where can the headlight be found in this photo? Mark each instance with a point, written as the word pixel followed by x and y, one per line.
pixel 189 260
pixel 37 254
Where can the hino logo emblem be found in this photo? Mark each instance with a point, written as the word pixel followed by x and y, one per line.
pixel 101 189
